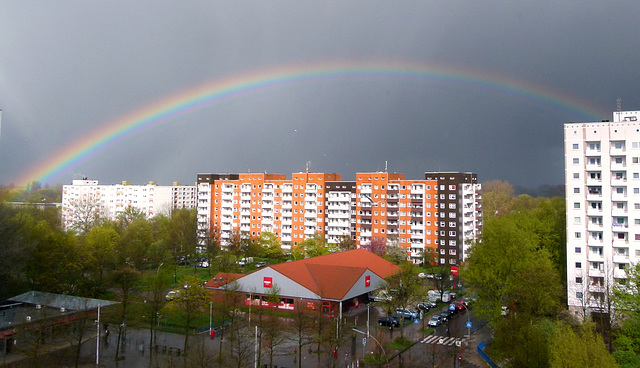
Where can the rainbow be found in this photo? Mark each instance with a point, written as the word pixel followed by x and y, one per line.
pixel 184 102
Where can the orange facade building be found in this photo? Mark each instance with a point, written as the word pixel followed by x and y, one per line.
pixel 380 207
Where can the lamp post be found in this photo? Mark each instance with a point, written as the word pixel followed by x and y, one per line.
pixel 98 338
pixel 374 339
pixel 210 319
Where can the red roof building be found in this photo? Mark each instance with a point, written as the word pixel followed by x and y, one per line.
pixel 336 282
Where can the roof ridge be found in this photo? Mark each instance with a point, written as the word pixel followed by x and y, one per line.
pixel 306 266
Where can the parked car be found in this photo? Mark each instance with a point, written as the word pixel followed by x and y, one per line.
pixel 422 275
pixel 446 315
pixel 245 261
pixel 460 306
pixel 424 306
pixel 391 321
pixel 261 264
pixel 203 264
pixel 172 294
pixel 381 296
pixel 448 310
pixel 407 313
pixel 435 321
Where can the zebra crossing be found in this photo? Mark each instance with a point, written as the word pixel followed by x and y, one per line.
pixel 441 340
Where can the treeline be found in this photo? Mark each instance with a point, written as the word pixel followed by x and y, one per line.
pixel 519 273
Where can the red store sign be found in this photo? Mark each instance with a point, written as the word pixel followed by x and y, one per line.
pixel 267 282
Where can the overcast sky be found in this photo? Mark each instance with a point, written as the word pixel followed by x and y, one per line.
pixel 69 67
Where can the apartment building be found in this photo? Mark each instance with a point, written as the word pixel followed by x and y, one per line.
pixel 203 205
pixel 459 214
pixel 291 209
pixel 379 205
pixel 391 208
pixel 85 199
pixel 602 183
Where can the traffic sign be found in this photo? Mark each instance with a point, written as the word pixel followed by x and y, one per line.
pixel 469 324
pixel 364 341
pixel 458 342
pixel 416 321
pixel 452 307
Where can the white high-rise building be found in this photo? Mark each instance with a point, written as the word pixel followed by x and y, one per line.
pixel 602 182
pixel 85 200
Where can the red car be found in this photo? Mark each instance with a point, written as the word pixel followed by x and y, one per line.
pixel 460 306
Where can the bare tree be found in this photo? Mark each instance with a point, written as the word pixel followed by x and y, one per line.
pixel 300 328
pixel 86 210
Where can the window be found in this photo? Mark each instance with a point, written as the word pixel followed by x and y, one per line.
pixel 576 204
pixel 576 175
pixel 578 250
pixel 575 146
pixel 636 190
pixel 578 280
pixel 576 161
pixel 636 175
pixel 576 190
pixel 579 294
pixel 578 235
pixel 577 220
pixel 578 265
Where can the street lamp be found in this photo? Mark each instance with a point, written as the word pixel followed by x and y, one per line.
pixel 374 339
pixel 210 324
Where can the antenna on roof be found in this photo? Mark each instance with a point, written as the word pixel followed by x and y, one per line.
pixel 308 163
pixel 619 104
pixel 385 166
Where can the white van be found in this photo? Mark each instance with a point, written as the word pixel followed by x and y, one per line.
pixel 434 295
pixel 245 261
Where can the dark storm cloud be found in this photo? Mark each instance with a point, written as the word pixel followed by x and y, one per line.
pixel 66 67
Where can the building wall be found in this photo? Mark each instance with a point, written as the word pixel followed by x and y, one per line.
pixel 109 201
pixel 602 183
pixel 459 214
pixel 377 205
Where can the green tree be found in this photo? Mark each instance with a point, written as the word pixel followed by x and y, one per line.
pixel 627 302
pixel 183 234
pixel 272 247
pixel 129 215
pixel 497 197
pixel 511 268
pixel 56 263
pixel 191 301
pixel 579 348
pixel 404 287
pixel 100 245
pixel 134 243
pixel 315 246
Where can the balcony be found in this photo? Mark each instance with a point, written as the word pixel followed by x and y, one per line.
pixel 620 258
pixel 595 272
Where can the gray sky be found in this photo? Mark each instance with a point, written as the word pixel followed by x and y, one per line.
pixel 68 68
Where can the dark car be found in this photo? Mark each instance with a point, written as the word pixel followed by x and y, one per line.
pixel 391 321
pixel 261 264
pixel 448 312
pixel 425 307
pixel 445 317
